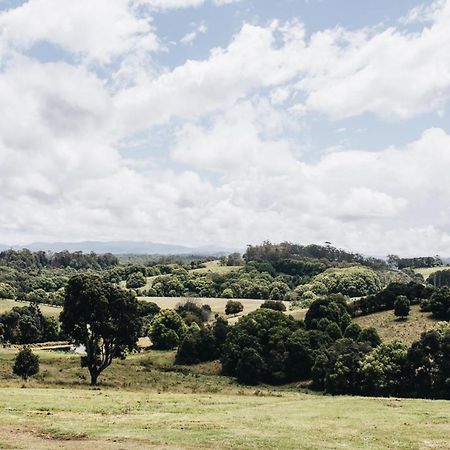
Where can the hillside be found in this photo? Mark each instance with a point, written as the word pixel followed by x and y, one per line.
pixel 390 328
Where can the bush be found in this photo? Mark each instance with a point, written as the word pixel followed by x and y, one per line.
pixel 276 305
pixel 198 345
pixel 26 363
pixel 167 330
pixel 233 307
pixel 383 371
pixel 136 280
pixel 7 291
pixel 402 306
pixel 439 304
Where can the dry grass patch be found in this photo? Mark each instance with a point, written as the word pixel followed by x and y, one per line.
pixel 391 328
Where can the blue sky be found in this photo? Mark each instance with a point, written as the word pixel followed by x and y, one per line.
pixel 227 122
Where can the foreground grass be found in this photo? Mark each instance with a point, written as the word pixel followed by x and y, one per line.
pixel 111 419
pixel 146 402
pixel 390 328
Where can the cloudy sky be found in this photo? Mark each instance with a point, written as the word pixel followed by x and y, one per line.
pixel 227 122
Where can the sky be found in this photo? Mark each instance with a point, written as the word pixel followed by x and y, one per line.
pixel 227 122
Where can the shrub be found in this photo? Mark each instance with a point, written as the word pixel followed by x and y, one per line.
pixel 334 308
pixel 402 306
pixel 136 280
pixel 167 330
pixel 7 291
pixel 276 305
pixel 233 307
pixel 26 363
pixel 439 304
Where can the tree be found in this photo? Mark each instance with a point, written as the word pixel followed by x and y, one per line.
pixel 439 304
pixel 402 306
pixel 233 307
pixel 136 280
pixel 370 335
pixel 383 371
pixel 26 363
pixel 103 318
pixel 168 329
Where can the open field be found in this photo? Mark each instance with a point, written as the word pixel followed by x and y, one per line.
pixel 214 266
pixel 110 419
pixel 50 311
pixel 217 304
pixel 390 328
pixel 427 271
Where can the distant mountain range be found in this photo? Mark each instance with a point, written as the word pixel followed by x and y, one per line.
pixel 123 247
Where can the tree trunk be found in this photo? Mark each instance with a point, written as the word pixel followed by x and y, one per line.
pixel 94 376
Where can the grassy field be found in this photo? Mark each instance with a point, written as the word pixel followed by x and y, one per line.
pixel 390 328
pixel 110 419
pixel 427 271
pixel 214 266
pixel 50 311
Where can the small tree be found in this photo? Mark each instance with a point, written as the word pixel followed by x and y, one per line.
pixel 26 363
pixel 233 307
pixel 402 306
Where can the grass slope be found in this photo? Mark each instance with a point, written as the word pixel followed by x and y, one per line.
pixel 390 328
pixel 50 311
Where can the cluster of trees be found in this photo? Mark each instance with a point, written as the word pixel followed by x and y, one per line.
pixel 385 299
pixel 396 262
pixel 26 259
pixel 26 325
pixel 438 304
pixel 352 281
pixel 439 278
pixel 286 250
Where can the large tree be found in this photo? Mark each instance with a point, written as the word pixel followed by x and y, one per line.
pixel 103 318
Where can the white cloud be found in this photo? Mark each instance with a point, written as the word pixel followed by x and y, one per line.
pixel 190 37
pixel 98 30
pixel 164 5
pixel 234 173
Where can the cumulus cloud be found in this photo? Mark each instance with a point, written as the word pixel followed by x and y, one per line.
pixel 98 30
pixel 233 169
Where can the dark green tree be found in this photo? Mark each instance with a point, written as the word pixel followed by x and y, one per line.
pixel 26 363
pixel 103 318
pixel 168 330
pixel 402 306
pixel 233 307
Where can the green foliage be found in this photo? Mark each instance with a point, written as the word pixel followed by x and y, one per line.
pixel 351 281
pixel 429 364
pixel 402 306
pixel 27 325
pixel 266 332
pixel 274 304
pixel 383 371
pixel 233 307
pixel 7 291
pixel 334 308
pixel 136 280
pixel 26 363
pixel 167 330
pixel 384 300
pixel 370 336
pixel 439 278
pixel 439 304
pixel 198 345
pixel 102 317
